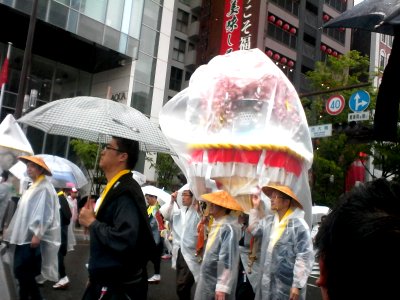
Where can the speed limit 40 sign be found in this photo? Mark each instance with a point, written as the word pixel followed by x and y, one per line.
pixel 335 105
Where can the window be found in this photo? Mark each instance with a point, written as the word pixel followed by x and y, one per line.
pixel 382 60
pixel 339 5
pixel 182 21
pixel 277 33
pixel 390 38
pixel 291 6
pixel 336 33
pixel 178 53
pixel 383 38
pixel 175 80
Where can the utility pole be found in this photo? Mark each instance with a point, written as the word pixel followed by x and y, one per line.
pixel 26 62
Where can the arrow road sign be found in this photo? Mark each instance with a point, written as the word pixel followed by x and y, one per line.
pixel 359 101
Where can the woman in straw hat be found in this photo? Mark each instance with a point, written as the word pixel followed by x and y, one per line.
pixel 218 273
pixel 287 252
pixel 34 231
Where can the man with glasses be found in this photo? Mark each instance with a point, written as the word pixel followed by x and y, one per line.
pixel 287 253
pixel 120 237
pixel 184 219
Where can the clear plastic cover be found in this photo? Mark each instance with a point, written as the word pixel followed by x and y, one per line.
pixel 238 125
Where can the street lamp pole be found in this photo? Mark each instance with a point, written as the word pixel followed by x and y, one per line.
pixel 26 62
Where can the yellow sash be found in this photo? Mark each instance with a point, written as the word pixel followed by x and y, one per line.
pixel 278 227
pixel 109 186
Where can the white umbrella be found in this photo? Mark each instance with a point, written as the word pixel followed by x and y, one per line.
pixel 162 196
pixel 139 177
pixel 13 142
pixel 318 212
pixel 66 174
pixel 96 119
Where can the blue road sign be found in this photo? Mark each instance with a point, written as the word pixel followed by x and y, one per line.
pixel 359 101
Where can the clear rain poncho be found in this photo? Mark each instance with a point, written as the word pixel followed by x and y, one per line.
pixel 289 262
pixel 220 266
pixel 184 225
pixel 38 213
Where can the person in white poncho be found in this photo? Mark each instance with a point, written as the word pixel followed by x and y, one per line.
pixel 184 219
pixel 34 231
pixel 287 253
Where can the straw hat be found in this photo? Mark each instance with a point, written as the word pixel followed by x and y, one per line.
pixel 283 189
pixel 36 160
pixel 222 198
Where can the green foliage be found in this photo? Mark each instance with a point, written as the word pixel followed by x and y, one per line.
pixel 167 171
pixel 88 152
pixel 333 155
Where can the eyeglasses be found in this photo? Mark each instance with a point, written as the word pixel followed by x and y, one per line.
pixel 274 197
pixel 108 147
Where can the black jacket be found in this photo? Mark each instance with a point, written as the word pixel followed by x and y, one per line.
pixel 120 239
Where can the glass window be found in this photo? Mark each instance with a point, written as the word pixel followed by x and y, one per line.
pixel 123 42
pixel 142 97
pixel 182 21
pixel 382 61
pixel 149 44
pixel 95 9
pixel 84 84
pixel 152 15
pixel 114 14
pixel 58 14
pixel 135 16
pixel 65 82
pixel 90 29
pixel 66 2
pixel 75 4
pixel 178 52
pixel 145 69
pixel 288 5
pixel 111 38
pixel 132 47
pixel 175 81
pixel 72 21
pixel 24 6
pixel 284 37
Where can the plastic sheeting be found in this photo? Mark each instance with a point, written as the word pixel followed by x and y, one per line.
pixel 238 125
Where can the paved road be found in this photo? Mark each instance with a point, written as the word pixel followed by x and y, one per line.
pixel 76 270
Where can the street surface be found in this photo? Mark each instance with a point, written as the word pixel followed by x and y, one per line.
pixel 75 265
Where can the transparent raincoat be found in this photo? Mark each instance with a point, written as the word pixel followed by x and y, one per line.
pixel 288 262
pixel 220 266
pixel 38 213
pixel 184 227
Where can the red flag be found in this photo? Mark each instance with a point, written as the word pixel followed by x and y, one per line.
pixel 4 72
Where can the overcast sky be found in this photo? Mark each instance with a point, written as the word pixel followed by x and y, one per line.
pixel 357 1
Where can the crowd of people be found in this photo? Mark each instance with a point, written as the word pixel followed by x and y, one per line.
pixel 265 254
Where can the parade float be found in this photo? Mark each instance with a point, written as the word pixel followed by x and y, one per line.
pixel 240 124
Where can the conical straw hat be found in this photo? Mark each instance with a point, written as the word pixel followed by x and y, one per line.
pixel 283 189
pixel 222 198
pixel 36 160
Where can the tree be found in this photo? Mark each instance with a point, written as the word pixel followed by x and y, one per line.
pixel 88 152
pixel 167 171
pixel 333 155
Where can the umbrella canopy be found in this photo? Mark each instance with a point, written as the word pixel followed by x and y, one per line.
pixel 318 212
pixel 13 142
pixel 372 15
pixel 162 196
pixel 66 174
pixel 381 16
pixel 96 119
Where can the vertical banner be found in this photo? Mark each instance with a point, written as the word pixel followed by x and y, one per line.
pixel 232 25
pixel 240 25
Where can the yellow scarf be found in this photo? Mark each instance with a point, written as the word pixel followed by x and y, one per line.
pixel 213 233
pixel 108 187
pixel 277 228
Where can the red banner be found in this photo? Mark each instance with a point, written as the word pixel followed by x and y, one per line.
pixel 232 25
pixel 4 72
